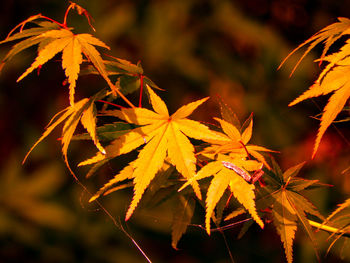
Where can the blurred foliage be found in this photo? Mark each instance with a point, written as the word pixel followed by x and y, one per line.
pixel 192 49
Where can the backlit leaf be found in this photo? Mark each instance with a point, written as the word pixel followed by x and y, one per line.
pixel 71 60
pixel 88 120
pixel 333 79
pixel 224 178
pixel 216 189
pixel 163 136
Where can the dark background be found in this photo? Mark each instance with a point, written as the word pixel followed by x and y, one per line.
pixel 191 49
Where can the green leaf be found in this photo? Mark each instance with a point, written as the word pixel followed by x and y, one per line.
pixel 124 65
pixel 298 184
pixel 128 84
pixel 107 132
pixel 293 171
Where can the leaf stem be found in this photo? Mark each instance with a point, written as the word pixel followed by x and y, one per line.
pixel 54 21
pixel 329 228
pixel 110 103
pixel 66 14
pixel 114 89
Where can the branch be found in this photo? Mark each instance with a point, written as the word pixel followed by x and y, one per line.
pixel 329 229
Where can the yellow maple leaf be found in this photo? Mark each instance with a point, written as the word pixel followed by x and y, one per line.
pixel 335 76
pixel 226 178
pixel 235 143
pixel 165 136
pixel 333 79
pixel 84 111
pixel 72 47
pixel 328 35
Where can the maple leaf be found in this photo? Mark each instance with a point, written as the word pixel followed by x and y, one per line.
pixel 290 207
pixel 165 136
pixel 328 35
pixel 236 143
pixel 334 77
pixel 31 36
pixel 226 178
pixel 130 77
pixel 72 46
pixel 84 111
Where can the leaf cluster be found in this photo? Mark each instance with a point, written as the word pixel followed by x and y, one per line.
pixel 174 151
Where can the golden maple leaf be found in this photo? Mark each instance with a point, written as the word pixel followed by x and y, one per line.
pixel 235 143
pixel 226 178
pixel 165 136
pixel 333 79
pixel 84 111
pixel 72 46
